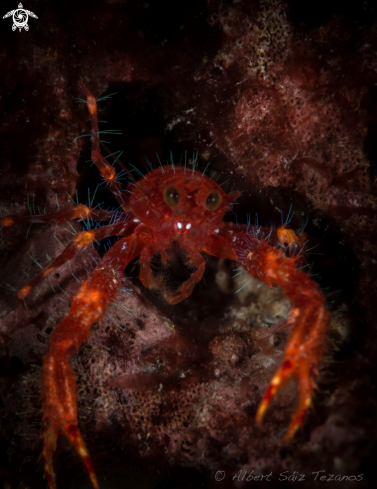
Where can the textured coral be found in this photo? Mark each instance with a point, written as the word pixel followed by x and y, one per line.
pixel 282 101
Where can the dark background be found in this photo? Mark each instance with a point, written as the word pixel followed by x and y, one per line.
pixel 285 112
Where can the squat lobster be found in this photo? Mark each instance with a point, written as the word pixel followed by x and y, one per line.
pixel 170 205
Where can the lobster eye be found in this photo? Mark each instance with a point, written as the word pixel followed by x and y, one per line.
pixel 172 196
pixel 213 200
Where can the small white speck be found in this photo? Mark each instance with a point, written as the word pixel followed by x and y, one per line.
pixel 179 225
pixel 188 226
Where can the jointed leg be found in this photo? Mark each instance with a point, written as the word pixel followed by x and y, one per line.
pixel 304 350
pixel 281 237
pixel 78 212
pixel 80 241
pixel 186 288
pixel 146 274
pixel 107 171
pixel 58 379
pixel 289 239
pixel 309 315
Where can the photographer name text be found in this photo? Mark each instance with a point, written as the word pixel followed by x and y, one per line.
pixel 319 475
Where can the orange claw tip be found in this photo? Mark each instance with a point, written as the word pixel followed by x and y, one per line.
pixel 264 404
pixel 291 432
pixel 74 436
pixel 22 293
pixel 50 480
pixel 93 479
pixel 260 413
pixel 297 421
pixel 89 467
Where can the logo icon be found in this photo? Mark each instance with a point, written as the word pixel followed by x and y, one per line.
pixel 20 18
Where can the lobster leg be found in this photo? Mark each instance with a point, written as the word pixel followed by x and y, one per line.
pixel 146 274
pixel 186 288
pixel 282 237
pixel 79 241
pixel 58 379
pixel 107 171
pixel 309 315
pixel 79 211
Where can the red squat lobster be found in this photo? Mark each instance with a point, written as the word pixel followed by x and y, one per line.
pixel 171 204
